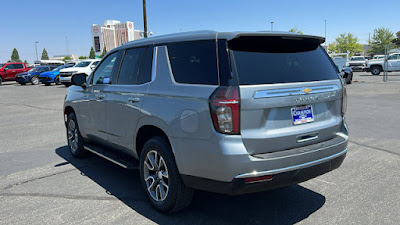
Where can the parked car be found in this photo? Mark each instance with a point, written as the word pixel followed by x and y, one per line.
pixel 357 63
pixel 32 76
pixel 53 76
pixel 378 57
pixel 347 74
pixel 9 70
pixel 85 66
pixel 342 62
pixel 227 112
pixel 377 66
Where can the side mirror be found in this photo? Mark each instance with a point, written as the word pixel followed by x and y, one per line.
pixel 339 68
pixel 79 80
pixel 92 67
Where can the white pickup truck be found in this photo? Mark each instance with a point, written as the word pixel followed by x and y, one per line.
pixel 357 63
pixel 377 66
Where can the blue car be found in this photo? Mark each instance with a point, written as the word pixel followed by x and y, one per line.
pixel 47 78
pixel 32 75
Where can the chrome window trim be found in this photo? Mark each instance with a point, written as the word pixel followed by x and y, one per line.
pixel 154 68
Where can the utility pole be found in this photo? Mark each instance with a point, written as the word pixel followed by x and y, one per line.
pixel 144 19
pixel 37 59
pixel 325 37
pixel 369 38
pixel 66 41
pixel 272 25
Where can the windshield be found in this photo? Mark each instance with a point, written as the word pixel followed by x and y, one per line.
pixel 282 61
pixel 34 69
pixel 62 67
pixel 357 59
pixel 1 65
pixel 83 64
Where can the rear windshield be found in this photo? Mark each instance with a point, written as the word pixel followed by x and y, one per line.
pixel 269 60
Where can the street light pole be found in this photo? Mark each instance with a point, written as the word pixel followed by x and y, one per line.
pixel 325 35
pixel 37 59
pixel 144 19
pixel 272 25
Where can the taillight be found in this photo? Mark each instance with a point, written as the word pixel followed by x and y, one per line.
pixel 225 109
pixel 344 99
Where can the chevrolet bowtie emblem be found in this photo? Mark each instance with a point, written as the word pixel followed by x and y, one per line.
pixel 307 90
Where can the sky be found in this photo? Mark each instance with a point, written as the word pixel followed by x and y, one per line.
pixel 54 23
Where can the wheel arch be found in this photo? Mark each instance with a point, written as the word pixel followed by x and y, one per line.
pixel 67 110
pixel 144 133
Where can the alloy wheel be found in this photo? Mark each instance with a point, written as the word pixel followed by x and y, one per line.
pixel 72 136
pixel 156 176
pixel 35 80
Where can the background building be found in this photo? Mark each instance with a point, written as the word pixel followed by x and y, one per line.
pixel 112 34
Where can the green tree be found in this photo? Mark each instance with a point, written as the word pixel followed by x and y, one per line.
pixel 15 56
pixel 104 52
pixel 396 41
pixel 26 62
pixel 45 56
pixel 92 55
pixel 382 36
pixel 346 42
pixel 66 58
pixel 296 30
pixel 83 57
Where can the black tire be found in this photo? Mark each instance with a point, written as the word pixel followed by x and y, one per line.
pixel 67 84
pixel 57 80
pixel 376 70
pixel 177 196
pixel 47 84
pixel 349 79
pixel 35 80
pixel 77 150
pixel 1 80
pixel 23 83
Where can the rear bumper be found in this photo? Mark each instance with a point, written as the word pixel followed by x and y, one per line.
pixel 292 176
pixel 224 159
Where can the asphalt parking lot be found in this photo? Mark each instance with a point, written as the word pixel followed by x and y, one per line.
pixel 40 183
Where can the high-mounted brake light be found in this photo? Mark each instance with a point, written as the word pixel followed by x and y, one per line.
pixel 225 109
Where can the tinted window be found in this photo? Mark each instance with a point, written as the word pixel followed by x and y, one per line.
pixel 103 73
pixel 83 64
pixel 128 73
pixel 9 66
pixel 194 62
pixel 281 61
pixel 145 69
pixel 18 66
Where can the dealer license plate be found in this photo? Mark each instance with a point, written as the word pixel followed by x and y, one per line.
pixel 302 114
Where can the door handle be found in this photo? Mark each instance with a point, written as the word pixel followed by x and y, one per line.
pixel 101 96
pixel 134 99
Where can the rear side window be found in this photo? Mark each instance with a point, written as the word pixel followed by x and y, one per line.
pixel 18 66
pixel 269 60
pixel 128 73
pixel 145 68
pixel 194 62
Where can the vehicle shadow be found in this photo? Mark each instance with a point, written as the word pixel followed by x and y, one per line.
pixel 282 206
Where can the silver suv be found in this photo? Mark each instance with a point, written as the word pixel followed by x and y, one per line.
pixel 227 112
